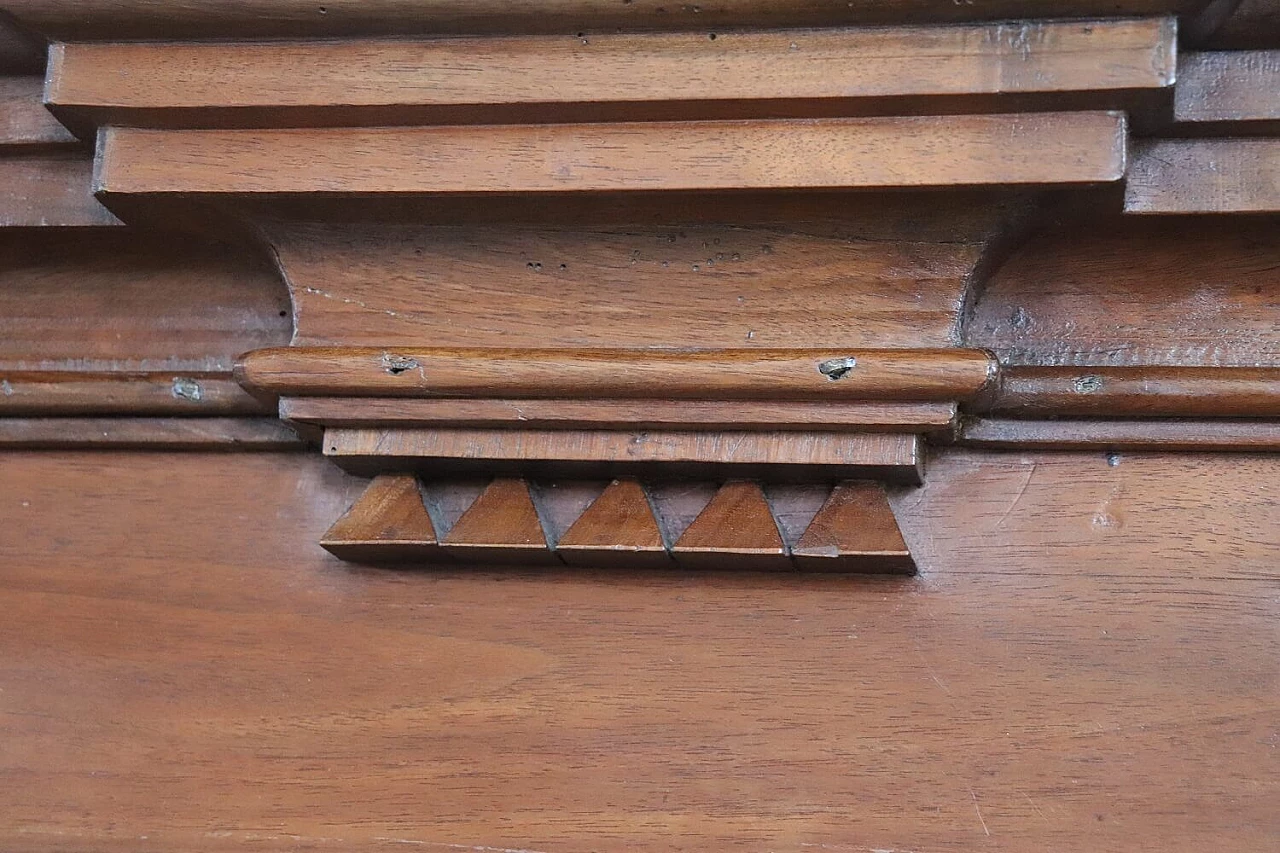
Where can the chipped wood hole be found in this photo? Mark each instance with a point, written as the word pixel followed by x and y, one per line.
pixel 837 368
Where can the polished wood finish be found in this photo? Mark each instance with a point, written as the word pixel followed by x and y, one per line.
pixel 1240 392
pixel 618 530
pixel 25 124
pixel 1204 176
pixel 389 522
pixel 1246 436
pixel 501 526
pixel 50 191
pixel 928 151
pixel 748 374
pixel 124 393
pixel 1229 92
pixel 142 433
pixel 735 531
pixel 620 77
pixel 854 531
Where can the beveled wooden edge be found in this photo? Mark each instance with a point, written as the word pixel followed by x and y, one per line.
pixel 50 190
pixel 1148 391
pixel 613 76
pixel 1246 436
pixel 1063 149
pixel 916 375
pixel 124 433
pixel 54 393
pixel 26 126
pixel 1182 176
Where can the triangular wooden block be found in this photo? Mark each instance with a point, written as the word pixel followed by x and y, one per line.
pixel 619 530
pixel 855 531
pixel 502 526
pixel 388 523
pixel 735 531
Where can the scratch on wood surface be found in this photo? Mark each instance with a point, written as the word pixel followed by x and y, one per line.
pixel 478 848
pixel 979 811
pixel 1018 497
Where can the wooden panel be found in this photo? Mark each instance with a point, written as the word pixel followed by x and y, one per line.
pixel 786 454
pixel 749 374
pixel 621 77
pixel 926 151
pixel 1250 436
pixel 501 526
pixel 618 414
pixel 127 19
pixel 854 531
pixel 1251 24
pixel 1094 668
pixel 388 522
pixel 1229 92
pixel 49 191
pixel 123 301
pixel 736 531
pixel 147 433
pixel 1206 392
pixel 24 122
pixel 618 530
pixel 1136 292
pixel 1204 176
pixel 116 393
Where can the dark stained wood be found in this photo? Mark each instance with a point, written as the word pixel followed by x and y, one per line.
pixel 749 374
pixel 25 124
pixel 622 77
pixel 1159 291
pixel 735 531
pixel 1229 92
pixel 788 455
pixel 1204 176
pixel 50 190
pixel 120 393
pixel 388 522
pixel 854 531
pixel 619 414
pixel 132 19
pixel 142 433
pixel 878 152
pixel 1251 24
pixel 1088 659
pixel 1249 436
pixel 1119 392
pixel 501 526
pixel 21 52
pixel 618 530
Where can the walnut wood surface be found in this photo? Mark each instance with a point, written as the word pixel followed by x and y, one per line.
pixel 927 375
pixel 25 124
pixel 735 531
pixel 924 151
pixel 501 526
pixel 120 393
pixel 142 433
pixel 1229 92
pixel 52 190
pixel 855 530
pixel 1247 436
pixel 621 77
pixel 1088 659
pixel 1204 176
pixel 389 521
pixel 1212 392
pixel 619 529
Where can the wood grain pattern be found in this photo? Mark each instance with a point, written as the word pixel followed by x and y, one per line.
pixel 618 414
pixel 52 433
pixel 388 522
pixel 122 393
pixel 735 531
pixel 502 526
pixel 91 20
pixel 1087 659
pixel 1246 436
pixel 924 151
pixel 25 124
pixel 50 191
pixel 1204 176
pixel 930 375
pixel 1229 92
pixel 618 530
pixel 610 77
pixel 787 455
pixel 1119 392
pixel 854 531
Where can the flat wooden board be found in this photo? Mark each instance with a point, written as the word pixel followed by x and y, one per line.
pixel 1088 660
pixel 25 124
pixel 1229 92
pixel 50 191
pixel 1204 176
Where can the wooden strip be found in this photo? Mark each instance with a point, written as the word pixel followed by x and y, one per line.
pixel 1204 176
pixel 855 531
pixel 618 530
pixel 84 393
pixel 602 373
pixel 1162 435
pixel 788 455
pixel 925 151
pixel 147 434
pixel 618 414
pixel 1229 91
pixel 502 526
pixel 735 532
pixel 621 77
pixel 1228 392
pixel 25 124
pixel 387 523
pixel 49 191
pixel 90 20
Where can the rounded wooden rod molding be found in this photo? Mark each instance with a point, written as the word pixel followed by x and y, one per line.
pixel 746 374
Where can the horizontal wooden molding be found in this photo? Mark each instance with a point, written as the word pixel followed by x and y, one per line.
pixel 1204 176
pixel 142 433
pixel 789 455
pixel 621 77
pixel 1247 436
pixel 25 124
pixel 866 153
pixel 87 393
pixel 924 375
pixel 50 190
pixel 1228 92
